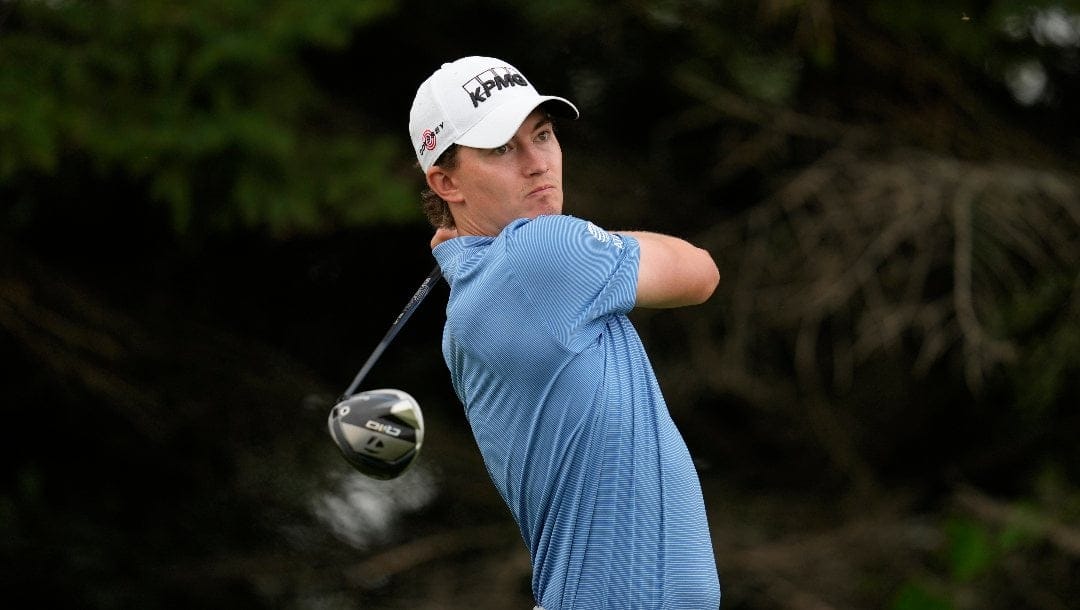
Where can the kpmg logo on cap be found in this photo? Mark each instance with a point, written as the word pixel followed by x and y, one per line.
pixel 481 87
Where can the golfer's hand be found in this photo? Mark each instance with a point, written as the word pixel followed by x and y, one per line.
pixel 442 234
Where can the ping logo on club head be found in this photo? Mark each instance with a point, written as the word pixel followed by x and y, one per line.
pixel 381 427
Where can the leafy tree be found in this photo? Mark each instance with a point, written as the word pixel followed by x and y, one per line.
pixel 206 107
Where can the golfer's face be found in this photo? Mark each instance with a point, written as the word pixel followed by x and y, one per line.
pixel 520 179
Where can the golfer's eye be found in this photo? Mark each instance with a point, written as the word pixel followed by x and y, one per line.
pixel 501 150
pixel 544 136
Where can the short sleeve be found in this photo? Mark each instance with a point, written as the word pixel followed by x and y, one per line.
pixel 574 273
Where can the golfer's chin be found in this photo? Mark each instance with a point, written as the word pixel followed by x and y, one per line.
pixel 548 205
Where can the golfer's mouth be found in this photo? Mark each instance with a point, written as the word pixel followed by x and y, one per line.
pixel 541 189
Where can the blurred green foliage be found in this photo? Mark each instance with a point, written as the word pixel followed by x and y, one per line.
pixel 970 549
pixel 214 110
pixel 1046 316
pixel 977 557
pixel 914 597
pixel 208 104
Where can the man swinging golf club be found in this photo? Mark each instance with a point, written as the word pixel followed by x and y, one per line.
pixel 556 385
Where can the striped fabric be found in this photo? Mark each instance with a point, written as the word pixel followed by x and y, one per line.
pixel 569 418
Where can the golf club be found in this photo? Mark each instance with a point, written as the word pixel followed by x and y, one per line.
pixel 380 432
pixel 403 317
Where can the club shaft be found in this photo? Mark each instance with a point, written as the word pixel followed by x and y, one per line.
pixel 414 302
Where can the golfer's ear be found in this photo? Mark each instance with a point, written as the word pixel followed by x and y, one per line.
pixel 443 185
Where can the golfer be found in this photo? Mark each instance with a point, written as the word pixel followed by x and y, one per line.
pixel 556 385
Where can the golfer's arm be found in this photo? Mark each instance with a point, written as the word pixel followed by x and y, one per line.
pixel 673 272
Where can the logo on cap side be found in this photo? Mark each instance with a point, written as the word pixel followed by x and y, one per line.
pixel 429 139
pixel 481 87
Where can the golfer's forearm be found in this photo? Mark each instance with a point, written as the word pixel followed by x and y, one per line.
pixel 673 272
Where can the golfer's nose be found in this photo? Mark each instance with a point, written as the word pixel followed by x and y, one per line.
pixel 533 159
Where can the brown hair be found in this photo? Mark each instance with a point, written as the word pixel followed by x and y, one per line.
pixel 435 208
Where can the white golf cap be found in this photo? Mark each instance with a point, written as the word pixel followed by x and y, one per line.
pixel 474 101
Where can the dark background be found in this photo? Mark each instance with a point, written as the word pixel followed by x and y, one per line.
pixel 210 217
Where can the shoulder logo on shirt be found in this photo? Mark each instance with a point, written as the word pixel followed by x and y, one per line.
pixel 603 236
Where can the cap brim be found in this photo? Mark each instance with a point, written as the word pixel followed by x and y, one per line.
pixel 501 124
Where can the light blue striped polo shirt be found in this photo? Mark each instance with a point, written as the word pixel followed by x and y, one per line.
pixel 569 418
